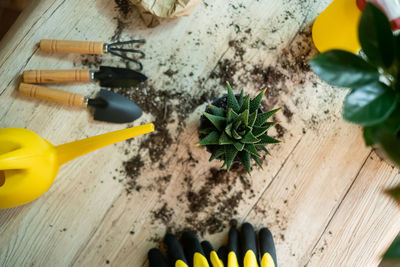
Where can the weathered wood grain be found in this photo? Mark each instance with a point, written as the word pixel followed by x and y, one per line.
pixel 314 177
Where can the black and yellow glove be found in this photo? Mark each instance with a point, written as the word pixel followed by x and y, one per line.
pixel 188 252
pixel 242 248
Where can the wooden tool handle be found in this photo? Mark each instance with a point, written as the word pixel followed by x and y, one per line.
pixel 52 94
pixel 75 47
pixel 53 76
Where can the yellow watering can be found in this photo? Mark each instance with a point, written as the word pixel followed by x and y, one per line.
pixel 29 163
pixel 337 27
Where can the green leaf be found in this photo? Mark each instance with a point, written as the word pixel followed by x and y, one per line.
pixel 262 147
pixel 218 121
pixel 369 136
pixel 245 159
pixel 246 104
pixel 224 139
pixel 236 135
pixel 393 253
pixel 370 104
pixel 243 118
pixel 210 139
pixel 239 146
pixel 217 111
pixel 341 68
pixel 252 118
pixel 230 155
pixel 218 152
pixel 255 103
pixel 257 131
pixel 265 139
pixel 390 144
pixel 232 101
pixel 257 160
pixel 249 138
pixel 206 130
pixel 240 101
pixel 392 123
pixel 251 149
pixel 376 37
pixel 232 115
pixel 395 193
pixel 269 124
pixel 228 129
pixel 263 117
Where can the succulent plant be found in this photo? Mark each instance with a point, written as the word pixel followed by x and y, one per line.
pixel 237 130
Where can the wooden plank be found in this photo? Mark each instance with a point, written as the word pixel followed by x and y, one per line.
pixel 307 191
pixel 102 223
pixel 366 216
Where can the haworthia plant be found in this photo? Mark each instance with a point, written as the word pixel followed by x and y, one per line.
pixel 239 130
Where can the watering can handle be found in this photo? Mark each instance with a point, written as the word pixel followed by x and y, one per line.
pixel 74 47
pixel 52 76
pixel 52 94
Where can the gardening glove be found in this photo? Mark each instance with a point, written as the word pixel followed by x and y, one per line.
pixel 188 252
pixel 247 244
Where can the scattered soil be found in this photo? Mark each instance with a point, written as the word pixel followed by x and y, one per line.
pixel 124 7
pixel 206 199
pixel 90 61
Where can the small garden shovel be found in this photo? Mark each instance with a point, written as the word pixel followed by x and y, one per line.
pixel 108 106
pixel 29 163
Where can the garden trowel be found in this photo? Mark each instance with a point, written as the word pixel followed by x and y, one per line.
pixel 108 106
pixel 107 76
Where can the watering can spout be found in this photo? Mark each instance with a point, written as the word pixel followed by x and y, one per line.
pixel 70 151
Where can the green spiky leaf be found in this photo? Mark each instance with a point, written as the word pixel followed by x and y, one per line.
pixel 218 152
pixel 236 135
pixel 230 155
pixel 218 121
pixel 240 101
pixel 228 129
pixel 231 100
pixel 244 158
pixel 257 131
pixel 206 130
pixel 269 124
pixel 231 116
pixel 224 139
pixel 263 148
pixel 217 111
pixel 263 117
pixel 255 103
pixel 251 149
pixel 245 105
pixel 249 138
pixel 239 146
pixel 265 139
pixel 257 160
pixel 243 118
pixel 252 118
pixel 211 139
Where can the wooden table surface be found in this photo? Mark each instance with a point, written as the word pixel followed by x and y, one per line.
pixel 320 192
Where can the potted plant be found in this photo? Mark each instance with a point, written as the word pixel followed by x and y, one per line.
pixel 234 129
pixel 374 81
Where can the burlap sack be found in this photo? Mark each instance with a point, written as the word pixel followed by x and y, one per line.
pixel 153 11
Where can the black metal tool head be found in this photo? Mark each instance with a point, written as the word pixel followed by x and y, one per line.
pixel 113 107
pixel 118 77
pixel 118 50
